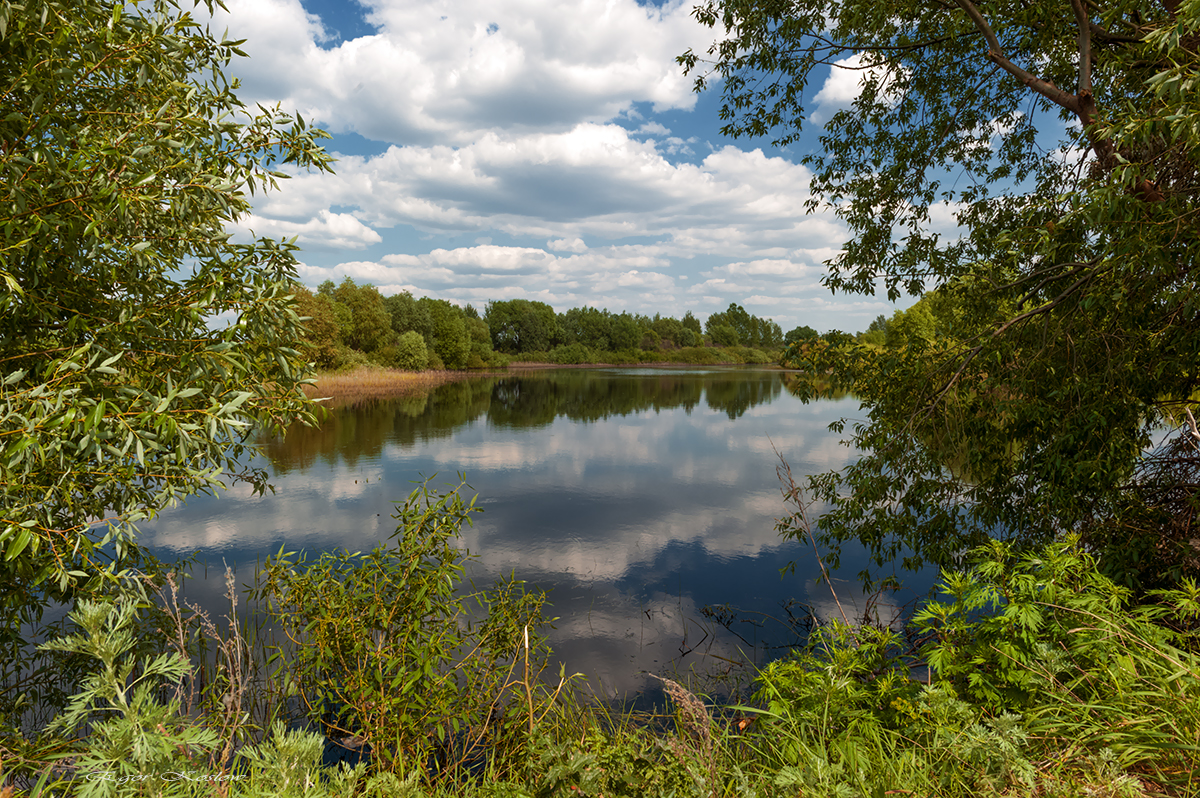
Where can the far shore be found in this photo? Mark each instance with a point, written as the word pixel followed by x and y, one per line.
pixel 336 389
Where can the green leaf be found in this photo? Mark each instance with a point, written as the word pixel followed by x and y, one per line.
pixel 85 209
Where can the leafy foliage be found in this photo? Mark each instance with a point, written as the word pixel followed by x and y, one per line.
pixel 124 740
pixel 1063 137
pixel 748 330
pixel 365 321
pixel 451 340
pixel 1042 679
pixel 521 325
pixel 125 155
pixel 386 649
pixel 137 739
pixel 411 353
pixel 1045 634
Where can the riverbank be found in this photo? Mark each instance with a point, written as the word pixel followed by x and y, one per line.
pixel 337 389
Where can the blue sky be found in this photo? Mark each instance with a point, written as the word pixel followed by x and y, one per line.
pixel 501 149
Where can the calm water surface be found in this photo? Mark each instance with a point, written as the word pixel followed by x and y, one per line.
pixel 636 497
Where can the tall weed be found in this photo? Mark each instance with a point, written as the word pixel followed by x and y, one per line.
pixel 387 653
pixel 1044 678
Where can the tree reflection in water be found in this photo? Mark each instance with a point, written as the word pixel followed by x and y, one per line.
pixel 637 497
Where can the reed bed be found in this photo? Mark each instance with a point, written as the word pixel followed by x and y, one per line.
pixel 350 388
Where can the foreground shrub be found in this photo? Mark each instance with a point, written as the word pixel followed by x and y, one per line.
pixel 1043 679
pixel 386 649
pixel 1047 635
pixel 125 732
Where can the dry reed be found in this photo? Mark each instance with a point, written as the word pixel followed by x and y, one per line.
pixel 360 385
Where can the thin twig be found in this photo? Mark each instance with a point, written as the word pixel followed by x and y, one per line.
pixel 791 492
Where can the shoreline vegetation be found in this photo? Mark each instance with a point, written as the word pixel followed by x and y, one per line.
pixel 1044 679
pixel 366 382
pixel 349 326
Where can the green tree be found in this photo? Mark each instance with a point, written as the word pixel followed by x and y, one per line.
pixel 408 314
pixel 1075 266
pixel 750 330
pixel 366 324
pixel 801 333
pixel 915 326
pixel 321 328
pixel 411 352
pixel 521 325
pixel 670 329
pixel 481 341
pixel 716 320
pixel 836 338
pixel 587 326
pixel 772 335
pixel 743 324
pixel 451 340
pixel 624 332
pixel 139 343
pixel 723 335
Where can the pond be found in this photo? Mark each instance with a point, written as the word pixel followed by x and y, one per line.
pixel 643 500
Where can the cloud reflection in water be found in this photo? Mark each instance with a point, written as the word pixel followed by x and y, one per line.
pixel 635 497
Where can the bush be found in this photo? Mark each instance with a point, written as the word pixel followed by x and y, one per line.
pixel 623 357
pixel 1035 658
pixel 687 337
pixel 744 354
pixel 385 648
pixel 536 356
pixel 137 744
pixel 571 354
pixel 699 355
pixel 411 354
pixel 497 360
pixel 723 335
pixel 343 358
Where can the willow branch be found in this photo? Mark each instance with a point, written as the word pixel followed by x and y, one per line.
pixel 1085 48
pixel 975 350
pixel 1078 268
pixel 996 55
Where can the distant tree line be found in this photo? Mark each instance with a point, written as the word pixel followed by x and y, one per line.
pixel 521 325
pixel 351 325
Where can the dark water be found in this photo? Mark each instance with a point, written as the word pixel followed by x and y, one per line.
pixel 637 497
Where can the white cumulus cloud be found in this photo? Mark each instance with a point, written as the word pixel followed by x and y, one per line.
pixel 326 230
pixel 442 71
